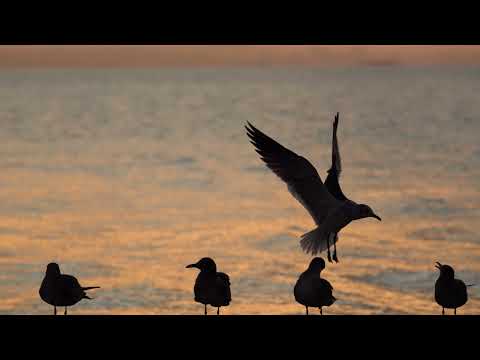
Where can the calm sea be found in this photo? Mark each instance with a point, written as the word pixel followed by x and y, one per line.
pixel 125 176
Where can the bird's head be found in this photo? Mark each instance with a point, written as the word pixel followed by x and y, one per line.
pixel 53 269
pixel 365 211
pixel 445 270
pixel 317 264
pixel 204 264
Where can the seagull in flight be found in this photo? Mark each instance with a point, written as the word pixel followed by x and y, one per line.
pixel 327 205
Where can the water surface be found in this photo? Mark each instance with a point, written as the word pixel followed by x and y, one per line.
pixel 123 177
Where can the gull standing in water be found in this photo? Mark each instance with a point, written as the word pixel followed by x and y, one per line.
pixel 311 290
pixel 60 289
pixel 328 207
pixel 450 293
pixel 211 287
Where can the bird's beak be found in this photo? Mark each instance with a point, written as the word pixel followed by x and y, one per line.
pixel 377 217
pixel 438 265
pixel 191 266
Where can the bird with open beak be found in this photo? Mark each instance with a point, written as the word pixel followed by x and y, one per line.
pixel 450 293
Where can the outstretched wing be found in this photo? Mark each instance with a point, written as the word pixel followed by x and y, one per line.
pixel 298 173
pixel 331 182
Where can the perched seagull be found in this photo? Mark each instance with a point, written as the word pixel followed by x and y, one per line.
pixel 311 290
pixel 329 208
pixel 211 287
pixel 450 293
pixel 60 289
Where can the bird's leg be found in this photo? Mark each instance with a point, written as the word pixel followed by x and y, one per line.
pixel 218 310
pixel 328 248
pixel 443 311
pixel 321 312
pixel 335 252
pixel 455 311
pixel 54 310
pixel 307 309
pixel 65 311
pixel 205 309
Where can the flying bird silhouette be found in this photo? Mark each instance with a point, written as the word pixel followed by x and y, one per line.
pixel 61 290
pixel 450 293
pixel 211 287
pixel 311 290
pixel 332 181
pixel 328 206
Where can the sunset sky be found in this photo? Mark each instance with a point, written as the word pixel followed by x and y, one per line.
pixel 236 55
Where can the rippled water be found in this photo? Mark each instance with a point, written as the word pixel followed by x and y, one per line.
pixel 125 176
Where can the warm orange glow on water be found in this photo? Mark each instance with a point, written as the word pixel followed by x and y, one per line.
pixel 152 175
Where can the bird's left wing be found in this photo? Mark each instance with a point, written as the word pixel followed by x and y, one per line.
pixel 298 173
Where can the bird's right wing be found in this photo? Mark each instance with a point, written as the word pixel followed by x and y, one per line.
pixel 223 284
pixel 70 281
pixel 333 176
pixel 223 278
pixel 298 173
pixel 336 160
pixel 69 285
pixel 321 287
pixel 327 284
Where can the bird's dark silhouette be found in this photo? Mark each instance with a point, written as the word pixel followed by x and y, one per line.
pixel 211 287
pixel 328 207
pixel 332 181
pixel 59 289
pixel 311 290
pixel 450 293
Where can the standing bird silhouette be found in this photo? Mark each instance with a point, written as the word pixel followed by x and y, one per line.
pixel 450 293
pixel 328 207
pixel 60 289
pixel 211 287
pixel 311 290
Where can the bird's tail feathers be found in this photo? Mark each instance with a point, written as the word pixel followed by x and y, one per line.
pixel 316 241
pixel 90 288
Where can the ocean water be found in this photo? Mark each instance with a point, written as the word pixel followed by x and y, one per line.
pixel 125 176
